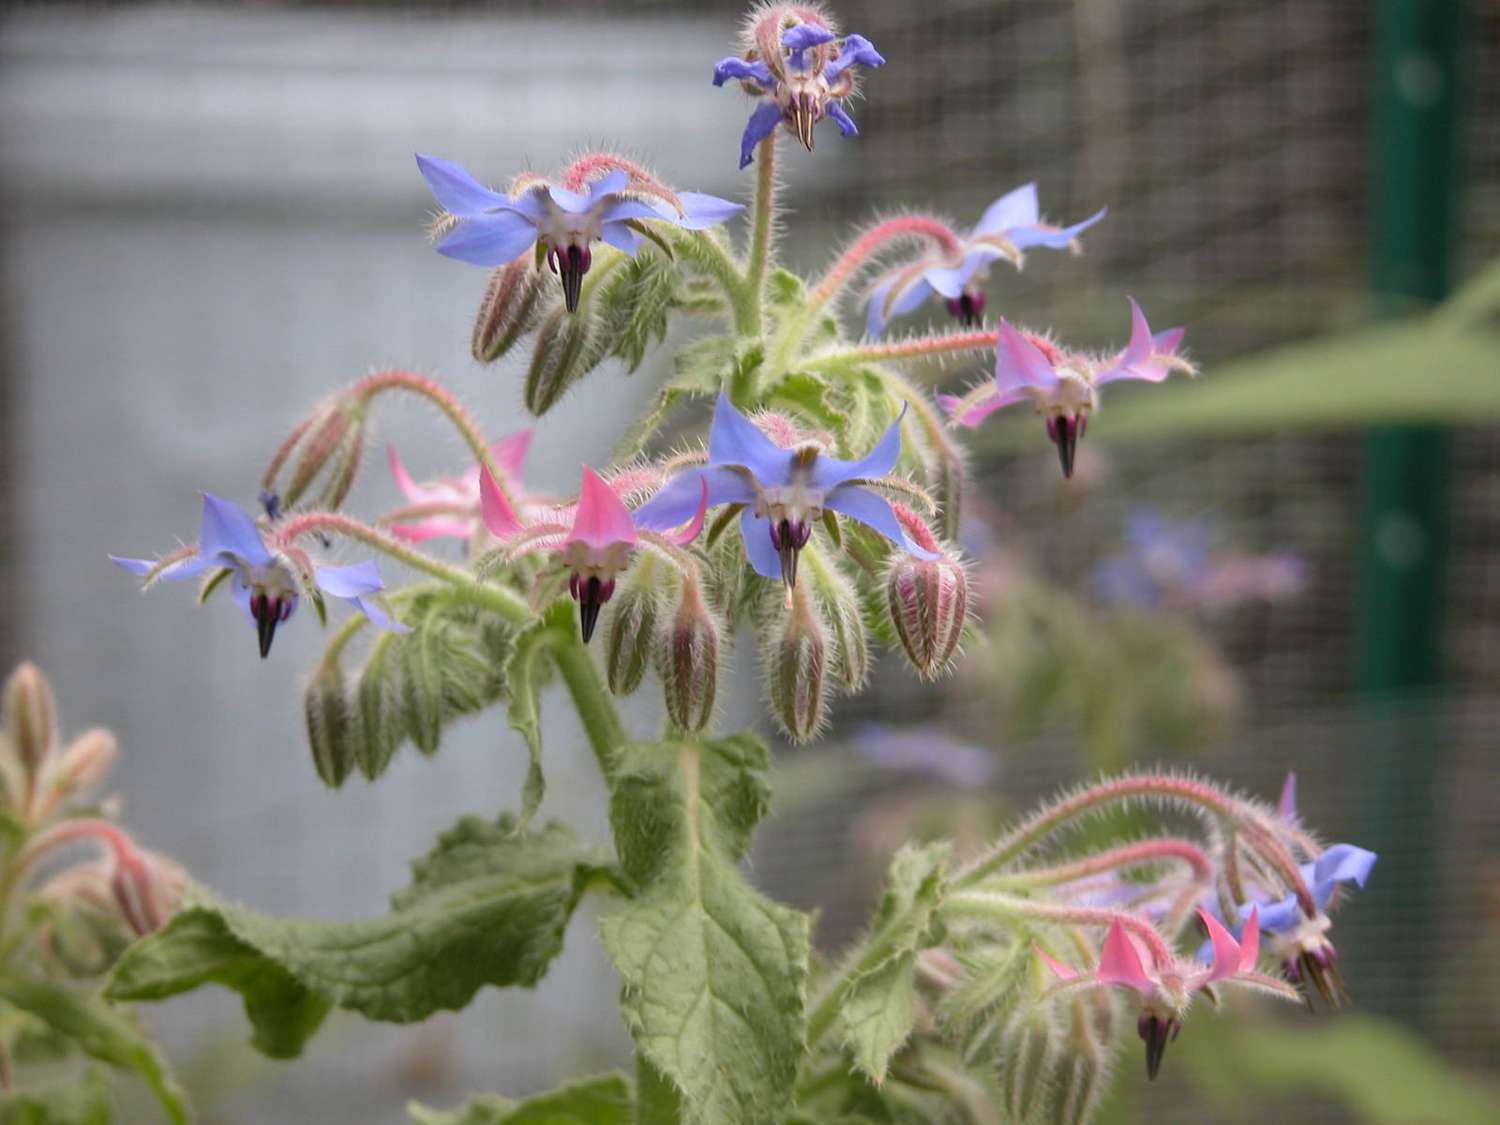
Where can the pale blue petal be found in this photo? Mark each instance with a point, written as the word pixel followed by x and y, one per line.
pixel 700 211
pixel 621 237
pixel 803 36
pixel 1018 208
pixel 950 283
pixel 917 290
pixel 756 533
pixel 761 125
pixel 459 193
pixel 239 592
pixel 839 117
pixel 608 184
pixel 875 315
pixel 350 581
pixel 854 50
pixel 874 512
pixel 378 617
pixel 227 532
pixel 1342 863
pixel 570 201
pixel 738 68
pixel 618 210
pixel 490 240
pixel 1023 237
pixel 1275 917
pixel 735 440
pixel 184 568
pixel 829 472
pixel 677 501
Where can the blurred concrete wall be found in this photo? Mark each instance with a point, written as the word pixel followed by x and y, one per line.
pixel 210 219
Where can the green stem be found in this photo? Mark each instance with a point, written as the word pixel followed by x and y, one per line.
pixel 762 231
pixel 601 722
pixel 708 252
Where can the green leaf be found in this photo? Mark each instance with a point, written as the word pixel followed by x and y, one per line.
pixel 83 1100
pixel 100 1031
pixel 604 1100
pixel 487 905
pixel 712 972
pixel 637 304
pixel 877 1003
pixel 522 673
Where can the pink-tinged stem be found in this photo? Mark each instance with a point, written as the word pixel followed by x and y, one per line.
pixel 915 348
pixel 409 381
pixel 583 169
pixel 72 831
pixel 988 904
pixel 764 224
pixel 498 598
pixel 1128 855
pixel 877 238
pixel 283 451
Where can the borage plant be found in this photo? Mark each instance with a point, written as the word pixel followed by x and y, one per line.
pixel 1001 983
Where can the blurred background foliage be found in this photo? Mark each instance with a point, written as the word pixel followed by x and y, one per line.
pixel 213 206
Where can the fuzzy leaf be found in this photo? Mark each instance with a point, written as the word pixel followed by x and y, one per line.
pixel 877 1011
pixel 637 304
pixel 486 906
pixel 100 1031
pixel 712 971
pixel 604 1100
pixel 522 674
pixel 82 1100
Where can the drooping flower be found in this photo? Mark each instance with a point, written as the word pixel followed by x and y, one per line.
pixel 451 504
pixel 489 228
pixel 267 585
pixel 801 71
pixel 1176 563
pixel 1063 385
pixel 1009 226
pixel 783 491
pixel 595 545
pixel 1164 991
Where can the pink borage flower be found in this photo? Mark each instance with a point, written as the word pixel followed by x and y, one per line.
pixel 1165 990
pixel 1064 385
pixel 595 544
pixel 449 507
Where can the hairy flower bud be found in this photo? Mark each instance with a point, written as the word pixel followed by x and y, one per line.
pixel 146 888
pixel 567 348
pixel 839 603
pixel 797 664
pixel 319 448
pixel 1028 1055
pixel 1084 1071
pixel 330 730
pixel 630 639
pixel 30 717
pixel 928 600
pixel 508 309
pixel 86 762
pixel 688 660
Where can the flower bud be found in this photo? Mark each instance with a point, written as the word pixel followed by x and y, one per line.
pixel 330 730
pixel 798 661
pixel 566 349
pixel 839 604
pixel 929 603
pixel 1027 1057
pixel 631 637
pixel 508 309
pixel 688 661
pixel 146 888
pixel 86 762
pixel 1084 1071
pixel 30 717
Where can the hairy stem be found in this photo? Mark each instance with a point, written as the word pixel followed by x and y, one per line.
pixel 1112 859
pixel 596 711
pixel 993 904
pixel 876 239
pixel 951 343
pixel 763 230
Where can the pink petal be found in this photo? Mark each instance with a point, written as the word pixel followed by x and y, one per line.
pixel 433 528
pixel 1250 943
pixel 601 518
pixel 409 488
pixel 1019 363
pixel 979 412
pixel 509 453
pixel 690 529
pixel 1226 949
pixel 1062 971
pixel 1136 361
pixel 1119 963
pixel 1287 806
pixel 499 516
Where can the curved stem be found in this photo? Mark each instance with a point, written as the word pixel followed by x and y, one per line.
pixel 502 601
pixel 705 249
pixel 596 711
pixel 763 230
pixel 395 379
pixel 952 343
pixel 873 241
pixel 1127 855
pixel 991 904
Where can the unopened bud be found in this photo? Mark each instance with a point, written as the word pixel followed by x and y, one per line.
pixel 30 717
pixel 928 600
pixel 330 729
pixel 631 637
pixel 329 443
pixel 86 762
pixel 566 349
pixel 798 661
pixel 508 309
pixel 688 661
pixel 1084 1071
pixel 1028 1056
pixel 840 605
pixel 146 887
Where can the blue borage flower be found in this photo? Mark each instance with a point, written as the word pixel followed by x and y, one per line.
pixel 801 70
pixel 489 228
pixel 783 491
pixel 1009 226
pixel 263 583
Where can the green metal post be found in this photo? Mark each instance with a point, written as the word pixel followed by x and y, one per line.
pixel 1415 175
